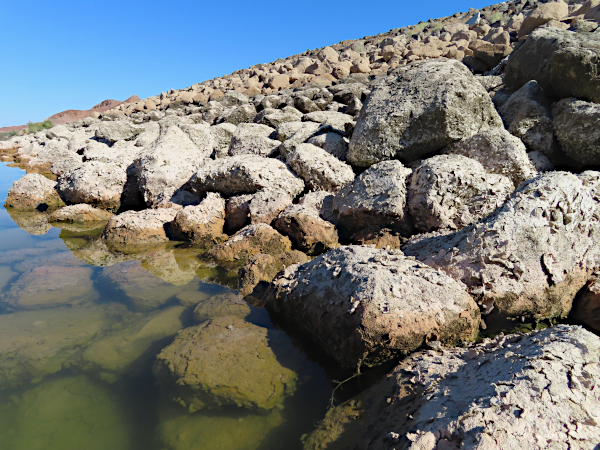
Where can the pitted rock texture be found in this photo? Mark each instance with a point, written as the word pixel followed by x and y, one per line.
pixel 98 184
pixel 80 213
pixel 33 192
pixel 577 127
pixel 253 139
pixel 224 361
pixel 377 197
pixel 564 63
pixel 145 227
pixel 263 268
pixel 251 240
pixel 266 205
pixel 201 224
pixel 365 306
pixel 307 230
pixel 534 391
pixel 452 191
pixel 531 256
pixel 245 174
pixel 498 152
pixel 420 108
pixel 118 131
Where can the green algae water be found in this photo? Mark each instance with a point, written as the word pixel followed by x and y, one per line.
pixel 80 328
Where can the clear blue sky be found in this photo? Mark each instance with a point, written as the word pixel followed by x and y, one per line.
pixel 73 54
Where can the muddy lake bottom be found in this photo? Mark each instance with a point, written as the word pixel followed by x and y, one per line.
pixel 80 328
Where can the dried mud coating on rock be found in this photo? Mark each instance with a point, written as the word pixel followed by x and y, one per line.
pixel 365 306
pixel 518 391
pixel 532 255
pixel 224 361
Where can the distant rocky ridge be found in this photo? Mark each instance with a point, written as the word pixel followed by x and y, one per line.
pixel 71 115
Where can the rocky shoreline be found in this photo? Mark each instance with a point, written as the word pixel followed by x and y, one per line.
pixel 381 197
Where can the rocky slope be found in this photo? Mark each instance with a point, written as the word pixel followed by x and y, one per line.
pixel 430 190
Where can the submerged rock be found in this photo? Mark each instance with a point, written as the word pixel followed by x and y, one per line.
pixel 224 361
pixel 365 306
pixel 33 192
pixel 531 256
pixel 228 304
pixel 518 391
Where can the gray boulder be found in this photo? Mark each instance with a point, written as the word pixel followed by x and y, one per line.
pixel 33 192
pixel 201 224
pixel 453 191
pixel 336 120
pixel 319 169
pixel 376 198
pixel 300 136
pixel 531 256
pixel 202 137
pixel 562 62
pixel 246 174
pixel 147 227
pixel 240 114
pixel 222 134
pixel 517 391
pixel 421 108
pixel 252 139
pixel 118 130
pixel 577 127
pixel 366 306
pixel 498 152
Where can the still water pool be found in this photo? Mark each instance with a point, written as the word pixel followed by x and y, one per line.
pixel 80 328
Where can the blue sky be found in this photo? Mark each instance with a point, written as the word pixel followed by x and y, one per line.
pixel 73 54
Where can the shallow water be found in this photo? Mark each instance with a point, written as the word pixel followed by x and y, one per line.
pixel 80 328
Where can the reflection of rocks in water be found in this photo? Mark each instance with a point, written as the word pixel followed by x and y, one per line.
pixel 35 223
pixel 134 344
pixel 222 305
pixel 63 414
pixel 34 344
pixel 59 258
pixel 225 361
pixel 94 252
pixel 146 291
pixel 180 430
pixel 161 262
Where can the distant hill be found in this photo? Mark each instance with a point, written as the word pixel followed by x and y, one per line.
pixel 71 115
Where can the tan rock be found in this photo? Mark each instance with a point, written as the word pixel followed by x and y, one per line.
pixel 80 213
pixel 307 231
pixel 263 268
pixel 33 192
pixel 543 14
pixel 145 227
pixel 201 224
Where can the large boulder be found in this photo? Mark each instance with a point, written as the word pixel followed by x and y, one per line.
pixel 498 152
pixel 201 224
pixel 224 361
pixel 517 391
pixel 96 183
pixel 531 256
pixel 319 169
pixel 33 192
pixel 80 214
pixel 147 227
pixel 118 130
pixel 263 268
pixel 421 108
pixel 246 174
pixel 253 139
pixel 453 191
pixel 366 306
pixel 376 198
pixel 562 62
pixel 577 127
pixel 544 13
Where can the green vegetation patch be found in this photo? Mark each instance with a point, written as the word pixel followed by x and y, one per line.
pixel 34 127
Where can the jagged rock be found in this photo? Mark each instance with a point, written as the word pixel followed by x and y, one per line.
pixel 527 116
pixel 586 308
pixel 168 164
pixel 95 183
pixel 562 62
pixel 237 212
pixel 453 191
pixel 576 124
pixel 180 430
pixel 145 227
pixel 332 143
pixel 540 162
pixel 222 133
pixel 544 13
pixel 498 152
pixel 320 201
pixel 133 345
pixel 66 413
pixel 300 136
pixel 201 224
pixel 378 237
pixel 224 361
pixel 377 197
pixel 118 131
pixel 531 256
pixel 33 192
pixel 252 139
pixel 81 213
pixel 450 105
pixel 61 166
pixel 39 343
pixel 365 306
pixel 251 240
pixel 319 169
pixel 246 174
pixel 515 391
pixel 228 304
pixel 307 231
pixel 263 268
pixel 266 205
